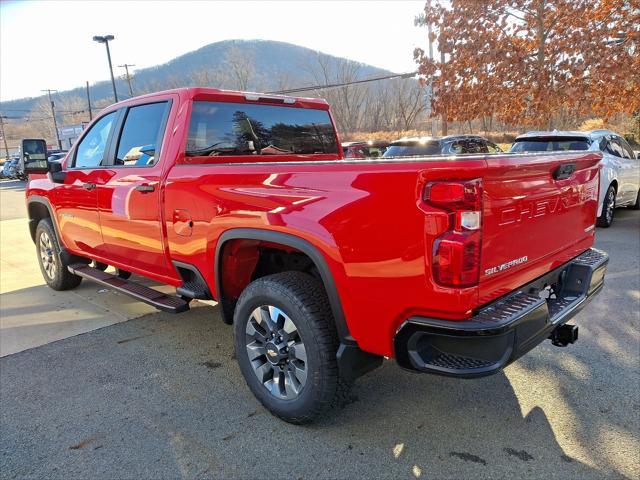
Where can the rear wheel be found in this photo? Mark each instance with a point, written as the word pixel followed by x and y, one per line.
pixel 608 207
pixel 286 343
pixel 54 270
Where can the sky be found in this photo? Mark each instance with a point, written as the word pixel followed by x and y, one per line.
pixel 48 44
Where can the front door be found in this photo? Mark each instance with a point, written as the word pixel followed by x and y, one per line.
pixel 77 198
pixel 129 202
pixel 629 172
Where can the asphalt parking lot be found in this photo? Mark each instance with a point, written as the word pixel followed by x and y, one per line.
pixel 160 396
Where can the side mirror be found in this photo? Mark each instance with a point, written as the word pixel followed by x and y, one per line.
pixel 34 156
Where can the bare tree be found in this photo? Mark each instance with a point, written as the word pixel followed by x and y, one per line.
pixel 409 103
pixel 240 67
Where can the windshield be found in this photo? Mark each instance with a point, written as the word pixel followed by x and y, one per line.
pixel 547 144
pixel 219 128
pixel 412 149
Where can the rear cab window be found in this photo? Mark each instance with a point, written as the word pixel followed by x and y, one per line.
pixel 225 129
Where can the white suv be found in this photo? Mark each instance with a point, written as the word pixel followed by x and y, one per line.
pixel 620 174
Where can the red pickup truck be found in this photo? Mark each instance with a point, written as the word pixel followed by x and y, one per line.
pixel 453 265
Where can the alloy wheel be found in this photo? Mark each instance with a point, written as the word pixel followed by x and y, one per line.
pixel 276 352
pixel 47 255
pixel 610 205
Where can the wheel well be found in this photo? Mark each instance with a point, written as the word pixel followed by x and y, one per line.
pixel 244 254
pixel 245 260
pixel 614 184
pixel 37 211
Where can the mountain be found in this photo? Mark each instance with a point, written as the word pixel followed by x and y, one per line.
pixel 267 66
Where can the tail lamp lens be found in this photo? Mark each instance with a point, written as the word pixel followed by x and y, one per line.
pixel 456 253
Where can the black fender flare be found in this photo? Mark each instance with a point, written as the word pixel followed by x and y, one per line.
pixel 66 256
pixel 352 361
pixel 299 244
pixel 33 223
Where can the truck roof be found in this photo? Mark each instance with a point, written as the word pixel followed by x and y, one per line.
pixel 564 133
pixel 447 138
pixel 216 94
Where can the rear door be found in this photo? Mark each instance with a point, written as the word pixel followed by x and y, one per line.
pixel 629 175
pixel 539 212
pixel 76 200
pixel 130 201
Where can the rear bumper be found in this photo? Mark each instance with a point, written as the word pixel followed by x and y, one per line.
pixel 505 329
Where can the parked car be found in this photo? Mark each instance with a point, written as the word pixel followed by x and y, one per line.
pixel 449 145
pixel 323 265
pixel 620 175
pixel 364 149
pixel 10 168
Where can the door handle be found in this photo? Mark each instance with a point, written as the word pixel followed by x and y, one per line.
pixel 145 188
pixel 89 186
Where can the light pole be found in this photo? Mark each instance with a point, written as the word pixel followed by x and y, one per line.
pixel 106 39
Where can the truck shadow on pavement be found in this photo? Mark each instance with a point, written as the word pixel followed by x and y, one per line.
pixel 162 397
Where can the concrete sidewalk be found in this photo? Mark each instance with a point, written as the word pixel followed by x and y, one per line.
pixel 31 314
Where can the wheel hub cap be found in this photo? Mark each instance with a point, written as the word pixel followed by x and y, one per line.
pixel 46 255
pixel 276 352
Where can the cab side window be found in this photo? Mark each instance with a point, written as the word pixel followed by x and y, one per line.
pixel 626 148
pixel 140 135
pixel 90 151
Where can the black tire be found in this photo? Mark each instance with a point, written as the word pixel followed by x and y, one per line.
pixel 123 274
pixel 100 266
pixel 608 208
pixel 53 269
pixel 302 299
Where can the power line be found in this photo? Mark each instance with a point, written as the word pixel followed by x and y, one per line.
pixel 344 84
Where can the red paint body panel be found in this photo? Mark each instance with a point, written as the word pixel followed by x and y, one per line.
pixel 367 218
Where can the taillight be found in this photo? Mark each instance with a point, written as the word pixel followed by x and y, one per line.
pixel 456 253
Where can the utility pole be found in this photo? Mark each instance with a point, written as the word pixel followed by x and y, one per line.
pixel 53 114
pixel 89 102
pixel 126 68
pixel 105 39
pixel 430 82
pixel 444 126
pixel 4 137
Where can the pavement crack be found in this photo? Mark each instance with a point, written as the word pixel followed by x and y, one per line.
pixel 132 339
pixel 468 457
pixel 83 443
pixel 211 365
pixel 521 454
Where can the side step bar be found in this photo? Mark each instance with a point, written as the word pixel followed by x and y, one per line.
pixel 162 301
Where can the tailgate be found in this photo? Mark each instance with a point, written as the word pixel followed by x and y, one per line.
pixel 539 212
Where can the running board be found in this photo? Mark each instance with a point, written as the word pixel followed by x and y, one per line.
pixel 162 301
